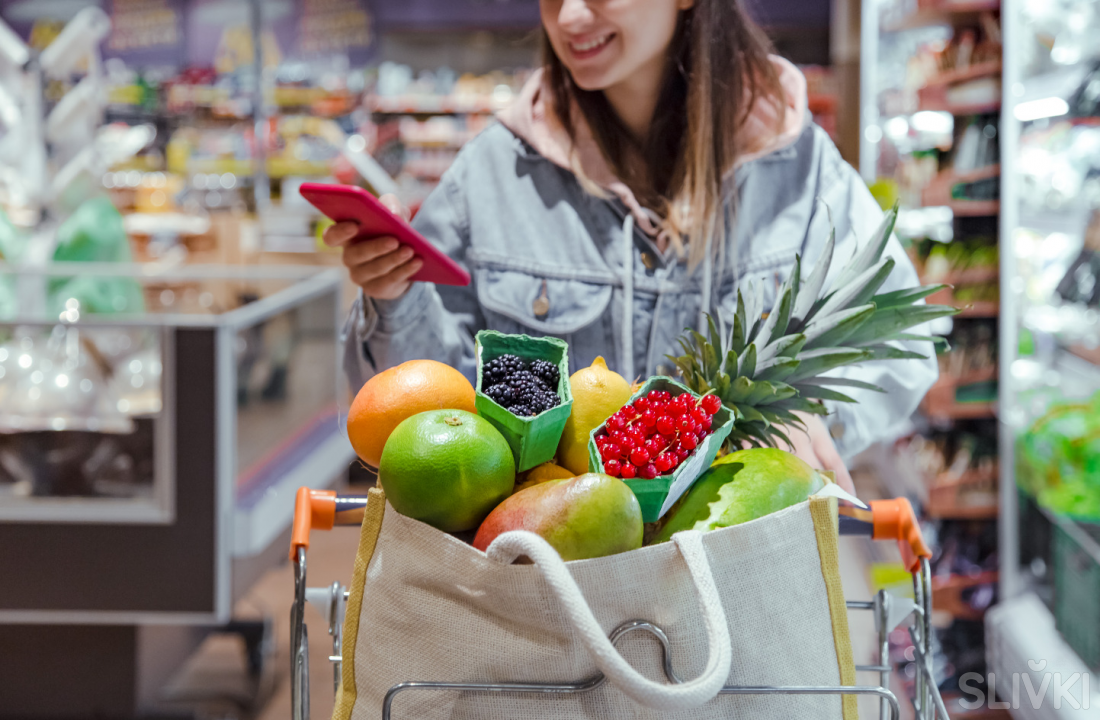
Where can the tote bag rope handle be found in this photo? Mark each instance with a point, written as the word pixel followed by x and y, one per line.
pixel 657 695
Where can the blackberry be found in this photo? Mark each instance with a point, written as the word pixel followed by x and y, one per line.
pixel 547 372
pixel 524 379
pixel 502 394
pixel 498 369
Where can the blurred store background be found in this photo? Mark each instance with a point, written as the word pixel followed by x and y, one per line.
pixel 169 319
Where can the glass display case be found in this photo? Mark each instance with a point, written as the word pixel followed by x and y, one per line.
pixel 165 416
pixel 1050 343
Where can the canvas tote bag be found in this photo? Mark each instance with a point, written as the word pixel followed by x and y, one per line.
pixel 755 604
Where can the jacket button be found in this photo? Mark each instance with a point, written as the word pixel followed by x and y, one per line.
pixel 649 260
pixel 541 305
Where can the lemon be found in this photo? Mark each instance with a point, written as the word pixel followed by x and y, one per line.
pixel 540 474
pixel 597 393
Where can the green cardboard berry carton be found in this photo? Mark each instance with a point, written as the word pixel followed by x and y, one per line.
pixel 534 440
pixel 656 496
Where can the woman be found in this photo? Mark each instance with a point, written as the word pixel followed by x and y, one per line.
pixel 659 158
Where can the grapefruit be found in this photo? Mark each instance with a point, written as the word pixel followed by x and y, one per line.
pixel 743 486
pixel 448 468
pixel 597 394
pixel 393 395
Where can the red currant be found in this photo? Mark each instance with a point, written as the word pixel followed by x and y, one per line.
pixel 610 451
pixel 648 472
pixel 652 446
pixel 641 404
pixel 664 425
pixel 689 441
pixel 639 456
pixel 686 424
pixel 615 423
pixel 619 438
pixel 699 414
pixel 711 404
pixel 649 418
pixel 653 396
pixel 613 468
pixel 627 471
pixel 682 455
pixel 663 462
pixel 705 423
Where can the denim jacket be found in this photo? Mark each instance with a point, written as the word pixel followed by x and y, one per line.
pixel 525 228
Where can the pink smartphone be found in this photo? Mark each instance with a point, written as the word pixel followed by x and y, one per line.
pixel 347 202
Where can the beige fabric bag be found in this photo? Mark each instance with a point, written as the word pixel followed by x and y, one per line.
pixel 756 604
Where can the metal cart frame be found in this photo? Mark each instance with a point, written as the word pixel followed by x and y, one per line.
pixel 887 520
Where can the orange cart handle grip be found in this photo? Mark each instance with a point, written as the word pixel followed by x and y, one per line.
pixel 322 510
pixel 895 520
pixel 312 509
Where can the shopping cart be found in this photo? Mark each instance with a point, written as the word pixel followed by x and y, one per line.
pixel 885 520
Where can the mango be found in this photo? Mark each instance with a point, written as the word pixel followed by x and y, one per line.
pixel 587 516
pixel 743 486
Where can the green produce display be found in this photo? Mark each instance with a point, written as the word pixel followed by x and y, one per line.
pixel 447 468
pixel 740 487
pixel 1058 459
pixel 588 516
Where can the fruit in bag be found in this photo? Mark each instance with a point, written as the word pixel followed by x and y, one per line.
pixel 587 516
pixel 393 395
pixel 597 393
pixel 540 474
pixel 447 468
pixel 743 486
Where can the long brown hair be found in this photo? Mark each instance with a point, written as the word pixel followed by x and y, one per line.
pixel 716 67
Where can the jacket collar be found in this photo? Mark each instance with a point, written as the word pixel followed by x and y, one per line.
pixel 531 118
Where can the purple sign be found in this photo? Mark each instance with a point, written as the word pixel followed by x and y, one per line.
pixel 456 14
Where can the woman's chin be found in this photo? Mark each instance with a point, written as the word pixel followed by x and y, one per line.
pixel 590 81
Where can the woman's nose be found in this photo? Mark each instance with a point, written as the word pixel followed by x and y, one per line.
pixel 574 14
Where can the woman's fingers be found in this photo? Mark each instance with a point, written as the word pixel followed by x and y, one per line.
pixel 393 284
pixel 830 458
pixel 366 251
pixel 340 234
pixel 394 205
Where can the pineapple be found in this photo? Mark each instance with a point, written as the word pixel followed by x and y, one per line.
pixel 771 365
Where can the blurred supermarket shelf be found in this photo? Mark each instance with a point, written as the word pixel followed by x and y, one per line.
pixel 940 13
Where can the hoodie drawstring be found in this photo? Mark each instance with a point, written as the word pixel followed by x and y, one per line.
pixel 627 339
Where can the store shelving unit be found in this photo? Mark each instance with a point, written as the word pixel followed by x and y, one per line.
pixel 1048 341
pixel 921 95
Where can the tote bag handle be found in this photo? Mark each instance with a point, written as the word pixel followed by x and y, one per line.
pixel 657 695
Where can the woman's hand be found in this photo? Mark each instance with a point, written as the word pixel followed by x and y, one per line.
pixel 381 266
pixel 815 446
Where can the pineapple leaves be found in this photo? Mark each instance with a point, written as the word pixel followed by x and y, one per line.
pixel 779 368
pixel 862 286
pixel 748 362
pixel 839 382
pixel 823 393
pixel 907 296
pixel 869 254
pixel 770 368
pixel 831 330
pixel 888 321
pixel 889 352
pixel 816 362
pixel 810 290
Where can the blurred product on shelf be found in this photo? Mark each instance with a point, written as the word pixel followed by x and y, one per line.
pixel 1058 459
